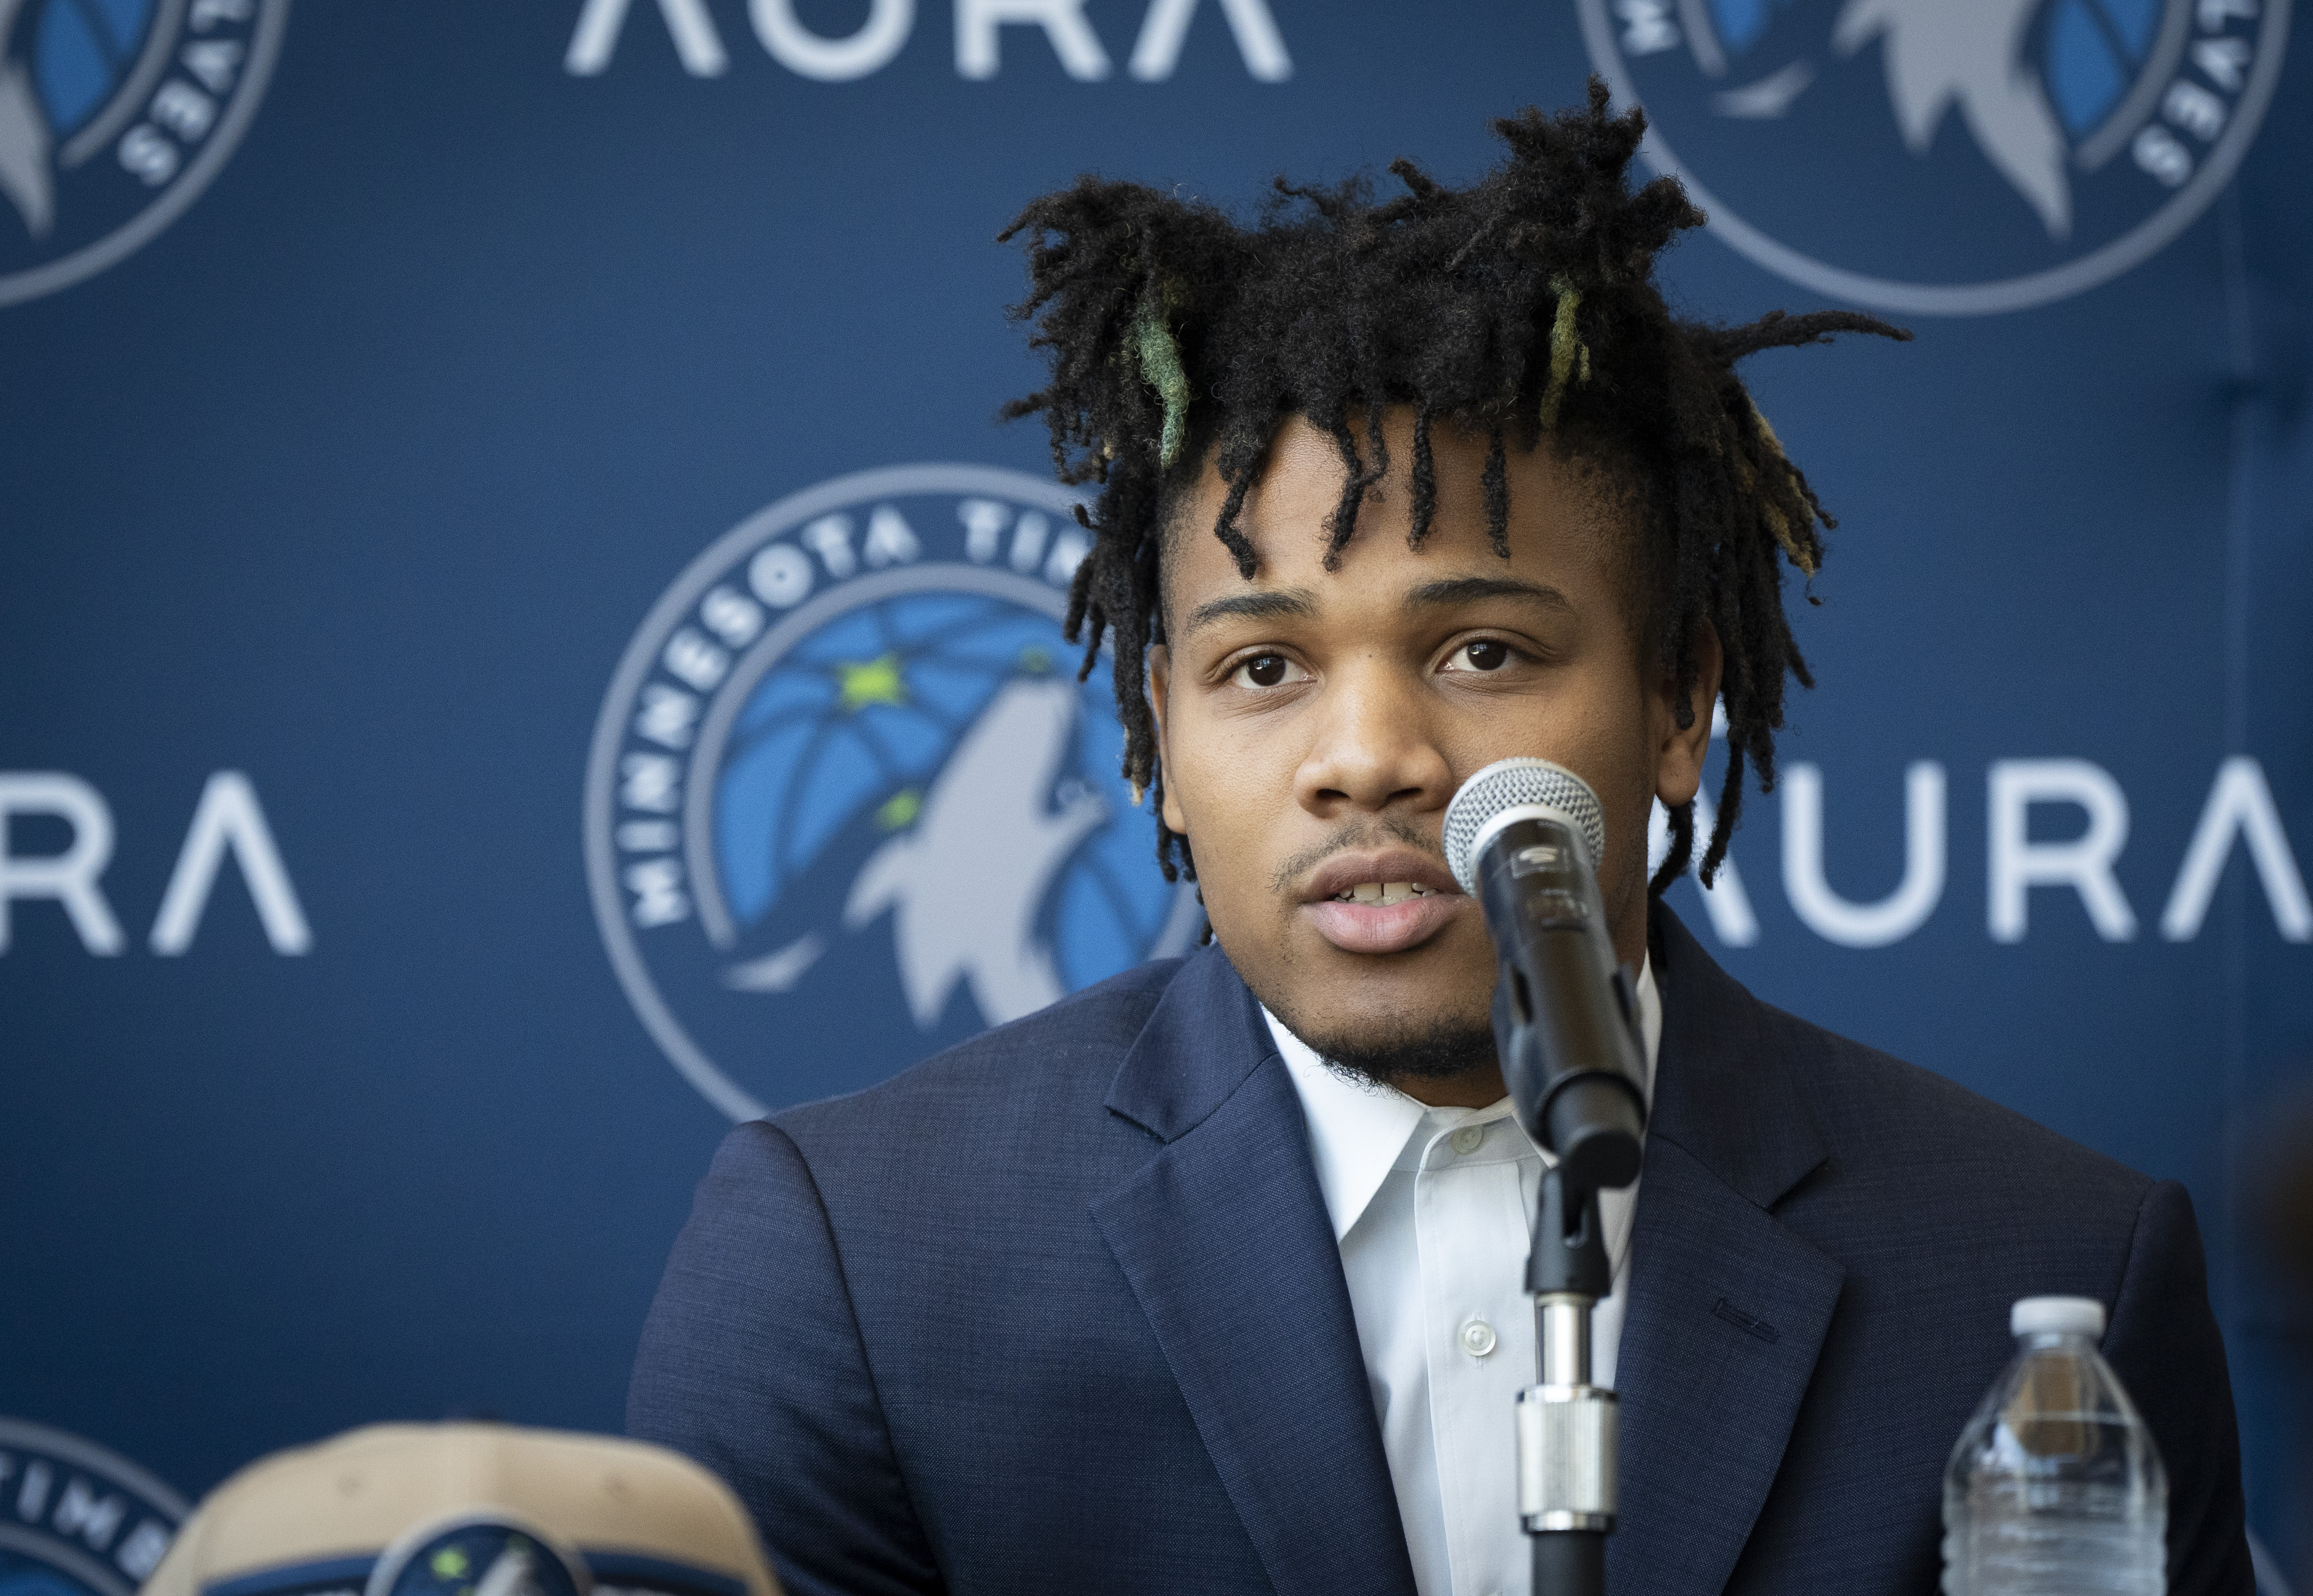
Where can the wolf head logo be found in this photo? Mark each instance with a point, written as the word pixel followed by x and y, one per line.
pixel 1969 55
pixel 2103 128
pixel 966 882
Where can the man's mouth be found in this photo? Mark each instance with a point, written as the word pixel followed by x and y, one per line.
pixel 1380 903
pixel 1383 892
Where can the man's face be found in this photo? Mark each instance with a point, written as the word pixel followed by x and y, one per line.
pixel 1314 725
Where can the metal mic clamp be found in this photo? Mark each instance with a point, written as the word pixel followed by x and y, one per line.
pixel 1567 1426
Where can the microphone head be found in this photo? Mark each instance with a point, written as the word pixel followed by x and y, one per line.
pixel 1517 784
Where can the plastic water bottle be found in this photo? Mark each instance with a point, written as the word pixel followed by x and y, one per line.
pixel 2055 1488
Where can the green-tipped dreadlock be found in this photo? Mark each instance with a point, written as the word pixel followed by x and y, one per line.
pixel 1520 306
pixel 1160 368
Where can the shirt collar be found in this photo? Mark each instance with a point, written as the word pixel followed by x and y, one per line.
pixel 1358 1128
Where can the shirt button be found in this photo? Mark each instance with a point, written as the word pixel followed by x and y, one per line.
pixel 1477 1338
pixel 1469 1138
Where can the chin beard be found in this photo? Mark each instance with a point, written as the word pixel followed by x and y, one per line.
pixel 1444 1048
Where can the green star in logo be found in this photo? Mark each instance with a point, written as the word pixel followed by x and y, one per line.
pixel 900 810
pixel 871 681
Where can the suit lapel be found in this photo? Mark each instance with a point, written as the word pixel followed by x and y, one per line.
pixel 1224 1241
pixel 1727 1307
pixel 1727 1312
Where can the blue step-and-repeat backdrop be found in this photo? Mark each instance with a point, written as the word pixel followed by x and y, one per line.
pixel 509 585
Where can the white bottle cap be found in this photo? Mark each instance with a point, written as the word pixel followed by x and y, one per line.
pixel 2056 1316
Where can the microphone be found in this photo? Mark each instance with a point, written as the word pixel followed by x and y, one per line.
pixel 1523 836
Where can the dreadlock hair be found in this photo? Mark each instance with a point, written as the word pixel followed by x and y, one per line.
pixel 1519 308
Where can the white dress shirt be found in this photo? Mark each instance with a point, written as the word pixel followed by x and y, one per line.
pixel 1433 1209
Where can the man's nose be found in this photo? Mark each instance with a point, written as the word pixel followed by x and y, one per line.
pixel 1372 747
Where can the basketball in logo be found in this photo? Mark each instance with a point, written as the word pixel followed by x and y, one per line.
pixel 114 116
pixel 848 803
pixel 1945 156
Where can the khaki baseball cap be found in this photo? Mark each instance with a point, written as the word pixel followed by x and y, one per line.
pixel 468 1510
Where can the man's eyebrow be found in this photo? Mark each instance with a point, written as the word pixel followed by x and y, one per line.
pixel 1465 589
pixel 1291 603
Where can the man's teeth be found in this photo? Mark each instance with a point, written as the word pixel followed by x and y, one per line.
pixel 1384 892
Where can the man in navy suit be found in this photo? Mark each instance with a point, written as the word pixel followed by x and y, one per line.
pixel 1206 1278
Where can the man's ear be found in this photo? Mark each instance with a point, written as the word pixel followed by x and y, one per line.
pixel 1680 751
pixel 1160 687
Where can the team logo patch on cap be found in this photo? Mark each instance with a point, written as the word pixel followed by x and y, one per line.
pixel 479 1555
pixel 76 1519
pixel 848 803
pixel 1945 156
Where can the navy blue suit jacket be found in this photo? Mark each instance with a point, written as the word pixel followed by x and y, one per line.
pixel 1061 1310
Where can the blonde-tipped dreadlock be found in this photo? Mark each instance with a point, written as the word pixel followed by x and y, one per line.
pixel 1522 305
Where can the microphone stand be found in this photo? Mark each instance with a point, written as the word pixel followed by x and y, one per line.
pixel 1566 1425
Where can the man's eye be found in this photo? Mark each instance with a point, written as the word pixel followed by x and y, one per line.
pixel 1485 654
pixel 1267 670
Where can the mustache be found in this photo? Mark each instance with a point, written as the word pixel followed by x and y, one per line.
pixel 1355 834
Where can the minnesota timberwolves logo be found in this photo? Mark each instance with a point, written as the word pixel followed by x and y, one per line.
pixel 483 1555
pixel 847 804
pixel 114 116
pixel 76 1520
pixel 1945 156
